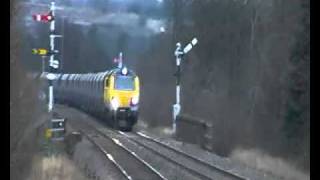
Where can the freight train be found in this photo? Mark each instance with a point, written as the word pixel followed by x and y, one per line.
pixel 112 95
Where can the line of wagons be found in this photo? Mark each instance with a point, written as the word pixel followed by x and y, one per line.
pixel 111 95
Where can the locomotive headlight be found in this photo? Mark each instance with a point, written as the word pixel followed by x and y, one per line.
pixel 115 103
pixel 135 100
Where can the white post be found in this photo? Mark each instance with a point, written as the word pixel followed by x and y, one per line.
pixel 178 61
pixel 50 98
pixel 52 8
pixel 177 107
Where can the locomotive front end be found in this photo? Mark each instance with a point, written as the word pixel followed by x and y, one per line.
pixel 123 96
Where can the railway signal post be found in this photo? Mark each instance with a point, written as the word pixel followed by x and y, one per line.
pixel 56 125
pixel 179 53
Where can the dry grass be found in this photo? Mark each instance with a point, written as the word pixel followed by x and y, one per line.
pixel 262 161
pixel 54 167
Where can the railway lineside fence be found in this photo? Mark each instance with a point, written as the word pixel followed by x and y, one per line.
pixel 195 130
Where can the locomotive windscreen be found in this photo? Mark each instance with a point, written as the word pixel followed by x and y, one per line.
pixel 124 83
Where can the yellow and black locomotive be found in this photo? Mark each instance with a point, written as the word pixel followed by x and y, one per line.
pixel 112 95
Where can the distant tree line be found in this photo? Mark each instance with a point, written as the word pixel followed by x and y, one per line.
pixel 249 74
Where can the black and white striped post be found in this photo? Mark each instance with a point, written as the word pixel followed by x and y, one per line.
pixel 53 64
pixel 179 53
pixel 57 125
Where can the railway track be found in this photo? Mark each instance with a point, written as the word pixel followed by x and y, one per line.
pixel 190 164
pixel 110 158
pixel 196 166
pixel 130 165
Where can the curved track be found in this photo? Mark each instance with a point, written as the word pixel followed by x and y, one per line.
pixel 192 164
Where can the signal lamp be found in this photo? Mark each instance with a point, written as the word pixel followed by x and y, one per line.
pixel 43 17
